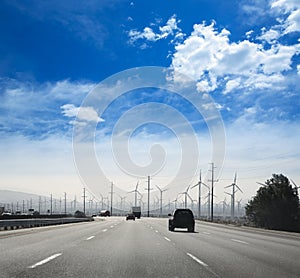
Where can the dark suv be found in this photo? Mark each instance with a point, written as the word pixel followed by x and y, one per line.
pixel 182 218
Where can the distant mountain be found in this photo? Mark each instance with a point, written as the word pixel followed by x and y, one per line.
pixel 9 196
pixel 21 201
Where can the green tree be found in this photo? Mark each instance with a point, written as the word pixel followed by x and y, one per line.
pixel 275 206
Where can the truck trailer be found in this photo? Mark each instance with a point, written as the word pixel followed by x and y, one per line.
pixel 136 211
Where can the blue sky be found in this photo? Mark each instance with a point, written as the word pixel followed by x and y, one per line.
pixel 243 54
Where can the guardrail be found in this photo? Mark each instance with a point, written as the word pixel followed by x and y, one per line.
pixel 39 222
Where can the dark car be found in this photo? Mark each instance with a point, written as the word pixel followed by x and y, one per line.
pixel 104 213
pixel 182 218
pixel 130 216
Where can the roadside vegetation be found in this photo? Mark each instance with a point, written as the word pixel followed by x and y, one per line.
pixel 275 205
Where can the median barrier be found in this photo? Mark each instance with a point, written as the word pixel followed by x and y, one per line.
pixel 39 222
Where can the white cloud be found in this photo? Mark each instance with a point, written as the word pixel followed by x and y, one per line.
pixel 169 29
pixel 208 56
pixel 34 109
pixel 293 22
pixel 88 114
pixel 278 59
pixel 285 5
pixel 231 85
pixel 291 8
pixel 269 36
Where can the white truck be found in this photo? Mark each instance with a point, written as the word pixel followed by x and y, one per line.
pixel 136 211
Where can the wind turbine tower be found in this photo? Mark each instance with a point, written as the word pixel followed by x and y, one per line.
pixel 161 192
pixel 235 188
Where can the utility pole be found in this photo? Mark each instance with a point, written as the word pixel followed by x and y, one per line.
pixel 65 203
pixel 212 192
pixel 111 198
pixel 84 200
pixel 101 201
pixel 55 208
pixel 199 196
pixel 40 201
pixel 50 204
pixel 59 205
pixel 148 212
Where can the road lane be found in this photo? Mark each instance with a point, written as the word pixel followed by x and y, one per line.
pixel 145 248
pixel 22 248
pixel 129 249
pixel 235 252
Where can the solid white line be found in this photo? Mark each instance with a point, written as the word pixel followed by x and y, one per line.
pixel 104 230
pixel 45 260
pixel 167 238
pixel 196 259
pixel 90 237
pixel 239 241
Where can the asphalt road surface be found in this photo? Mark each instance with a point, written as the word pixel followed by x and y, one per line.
pixel 145 248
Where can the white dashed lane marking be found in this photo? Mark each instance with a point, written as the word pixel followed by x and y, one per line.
pixel 167 238
pixel 46 260
pixel 104 230
pixel 206 233
pixel 239 241
pixel 90 237
pixel 197 260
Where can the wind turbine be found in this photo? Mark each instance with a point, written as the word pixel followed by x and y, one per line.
pixel 155 201
pixel 141 197
pixel 199 193
pixel 136 192
pixel 161 192
pixel 239 208
pixel 234 190
pixel 186 194
pixel 260 183
pixel 224 207
pixel 122 201
pixel 175 202
pixel 208 199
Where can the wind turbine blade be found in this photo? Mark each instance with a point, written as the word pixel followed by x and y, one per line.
pixel 195 185
pixel 239 188
pixel 228 186
pixel 295 184
pixel 261 183
pixel 189 196
pixel 206 185
pixel 234 181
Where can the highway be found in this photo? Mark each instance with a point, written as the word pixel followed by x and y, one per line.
pixel 114 247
